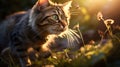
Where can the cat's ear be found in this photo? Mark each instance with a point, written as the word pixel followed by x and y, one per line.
pixel 67 5
pixel 44 3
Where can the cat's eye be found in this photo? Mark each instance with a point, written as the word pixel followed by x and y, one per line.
pixel 54 17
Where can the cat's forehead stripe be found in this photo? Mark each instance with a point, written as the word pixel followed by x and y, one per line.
pixel 60 11
pixel 55 10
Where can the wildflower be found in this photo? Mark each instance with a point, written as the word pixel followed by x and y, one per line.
pixel 108 23
pixel 49 66
pixel 99 16
pixel 82 49
pixel 92 42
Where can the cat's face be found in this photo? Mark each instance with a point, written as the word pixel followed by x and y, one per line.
pixel 50 18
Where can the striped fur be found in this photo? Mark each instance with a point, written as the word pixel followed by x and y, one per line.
pixel 27 34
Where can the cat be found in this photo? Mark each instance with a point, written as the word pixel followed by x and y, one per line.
pixel 29 33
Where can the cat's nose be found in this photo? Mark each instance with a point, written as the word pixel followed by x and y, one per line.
pixel 61 26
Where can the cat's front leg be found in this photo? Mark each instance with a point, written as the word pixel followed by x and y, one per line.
pixel 44 51
pixel 19 49
pixel 25 62
pixel 22 56
pixel 33 54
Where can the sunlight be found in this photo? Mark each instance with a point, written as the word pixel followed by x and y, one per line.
pixel 95 3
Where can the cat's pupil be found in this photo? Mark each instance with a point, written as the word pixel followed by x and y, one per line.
pixel 54 17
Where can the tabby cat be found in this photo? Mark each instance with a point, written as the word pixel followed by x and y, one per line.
pixel 28 33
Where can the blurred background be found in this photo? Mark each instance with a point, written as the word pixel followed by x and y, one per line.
pixel 83 13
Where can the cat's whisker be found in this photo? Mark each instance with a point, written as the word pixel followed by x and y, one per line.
pixel 75 12
pixel 72 42
pixel 62 35
pixel 68 39
pixel 75 35
pixel 72 36
pixel 71 39
pixel 81 36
